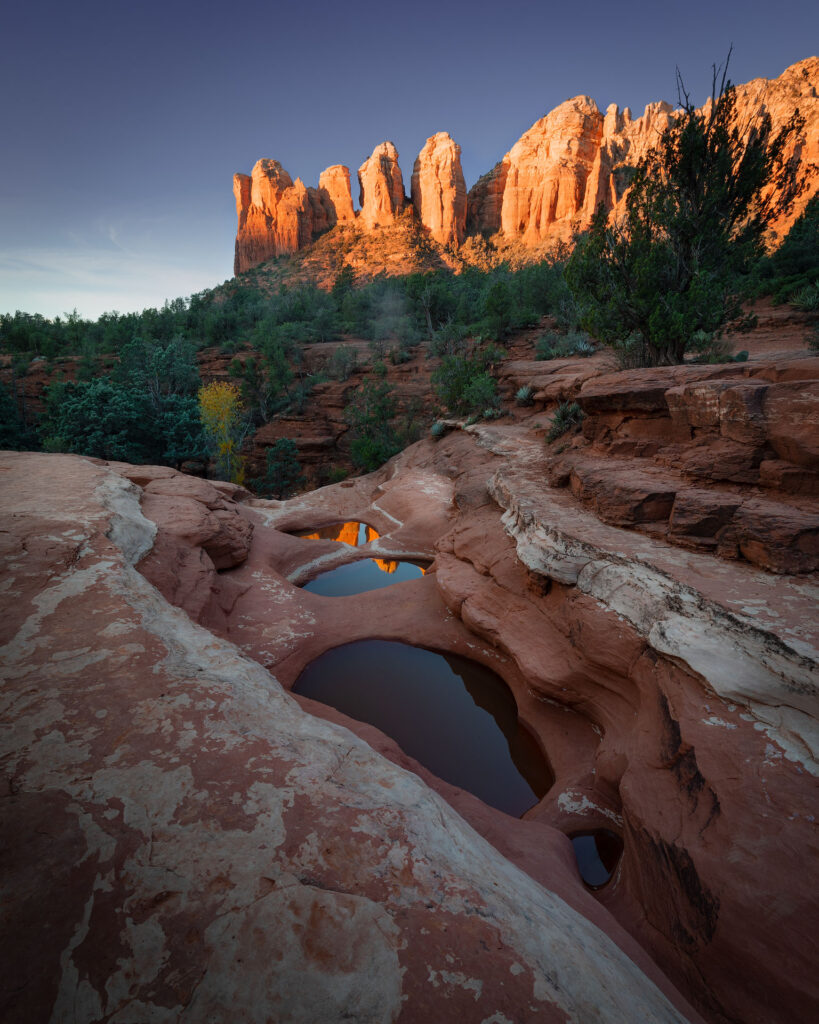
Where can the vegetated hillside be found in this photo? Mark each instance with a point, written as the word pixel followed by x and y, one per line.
pixel 351 374
pixel 393 250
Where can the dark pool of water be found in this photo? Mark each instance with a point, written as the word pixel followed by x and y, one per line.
pixel 458 718
pixel 597 855
pixel 358 577
pixel 352 532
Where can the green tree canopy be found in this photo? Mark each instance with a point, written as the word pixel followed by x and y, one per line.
pixel 697 212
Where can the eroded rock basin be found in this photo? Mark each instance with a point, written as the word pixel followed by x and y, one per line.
pixel 598 854
pixel 454 716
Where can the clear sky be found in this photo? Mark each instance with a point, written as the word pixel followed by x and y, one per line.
pixel 123 121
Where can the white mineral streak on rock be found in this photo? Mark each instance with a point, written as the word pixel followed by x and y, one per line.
pixel 737 656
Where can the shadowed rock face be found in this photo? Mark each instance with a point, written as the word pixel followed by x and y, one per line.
pixel 439 190
pixel 547 187
pixel 217 846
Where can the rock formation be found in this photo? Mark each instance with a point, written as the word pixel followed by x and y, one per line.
pixel 382 187
pixel 183 839
pixel 334 189
pixel 546 188
pixel 549 185
pixel 276 215
pixel 439 191
pixel 646 588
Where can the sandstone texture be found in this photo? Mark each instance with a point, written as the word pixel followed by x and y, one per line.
pixel 183 840
pixel 545 189
pixel 439 190
pixel 550 184
pixel 381 187
pixel 276 216
pixel 194 842
pixel 334 189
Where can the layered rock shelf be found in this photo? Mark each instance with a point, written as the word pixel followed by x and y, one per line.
pixel 545 189
pixel 192 839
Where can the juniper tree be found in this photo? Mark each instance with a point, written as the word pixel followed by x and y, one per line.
pixel 696 215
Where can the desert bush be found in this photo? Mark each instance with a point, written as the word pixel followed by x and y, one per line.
pixel 525 395
pixel 807 298
pixel 342 362
pixel 562 346
pixel 566 416
pixel 282 474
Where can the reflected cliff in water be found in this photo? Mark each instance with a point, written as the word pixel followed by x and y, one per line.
pixel 353 533
pixel 357 577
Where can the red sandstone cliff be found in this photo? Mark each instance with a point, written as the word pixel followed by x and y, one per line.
pixel 439 190
pixel 382 187
pixel 550 183
pixel 546 188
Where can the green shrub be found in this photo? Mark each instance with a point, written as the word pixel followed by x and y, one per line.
pixel 283 473
pixel 525 395
pixel 567 415
pixel 342 362
pixel 438 430
pixel 563 346
pixel 463 383
pixel 807 298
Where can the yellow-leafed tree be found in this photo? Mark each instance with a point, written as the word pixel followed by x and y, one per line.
pixel 220 411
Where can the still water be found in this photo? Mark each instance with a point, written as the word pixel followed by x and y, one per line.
pixel 357 577
pixel 597 855
pixel 454 716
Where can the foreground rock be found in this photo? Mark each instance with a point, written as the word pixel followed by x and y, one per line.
pixel 183 840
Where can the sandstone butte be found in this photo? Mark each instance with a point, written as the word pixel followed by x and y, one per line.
pixel 185 838
pixel 545 189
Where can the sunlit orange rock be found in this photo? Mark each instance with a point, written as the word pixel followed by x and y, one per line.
pixel 276 215
pixel 386 566
pixel 549 185
pixel 382 187
pixel 439 191
pixel 334 191
pixel 545 189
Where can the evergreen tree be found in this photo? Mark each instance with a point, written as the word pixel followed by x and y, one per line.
pixel 696 216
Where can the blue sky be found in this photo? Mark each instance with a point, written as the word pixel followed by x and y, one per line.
pixel 122 123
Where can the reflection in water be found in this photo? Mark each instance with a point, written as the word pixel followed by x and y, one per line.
pixel 597 855
pixel 455 716
pixel 353 533
pixel 358 577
